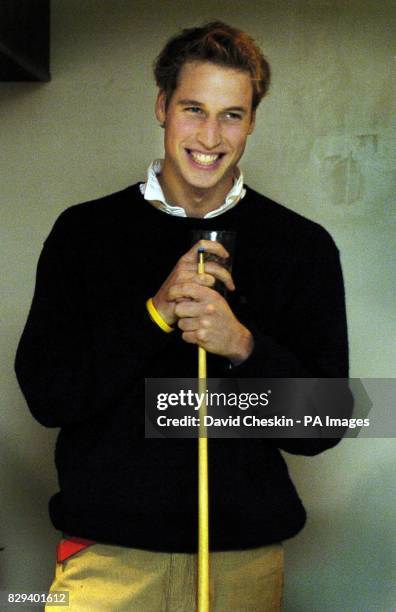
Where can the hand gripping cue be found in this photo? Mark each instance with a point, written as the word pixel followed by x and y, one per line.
pixel 203 489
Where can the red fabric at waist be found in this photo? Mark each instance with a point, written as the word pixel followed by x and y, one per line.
pixel 71 546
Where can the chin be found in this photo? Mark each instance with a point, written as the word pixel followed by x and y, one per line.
pixel 205 182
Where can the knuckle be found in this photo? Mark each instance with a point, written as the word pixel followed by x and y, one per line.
pixel 181 275
pixel 202 334
pixel 179 271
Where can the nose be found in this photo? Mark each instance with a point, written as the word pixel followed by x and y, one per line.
pixel 209 133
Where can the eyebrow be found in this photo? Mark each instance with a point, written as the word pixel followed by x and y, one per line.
pixel 188 102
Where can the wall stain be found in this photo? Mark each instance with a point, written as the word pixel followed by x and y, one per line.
pixel 343 163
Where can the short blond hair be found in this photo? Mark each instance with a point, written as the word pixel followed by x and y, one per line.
pixel 214 42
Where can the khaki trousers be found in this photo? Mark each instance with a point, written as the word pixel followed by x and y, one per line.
pixel 114 578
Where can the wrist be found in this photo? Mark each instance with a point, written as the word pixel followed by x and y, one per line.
pixel 157 318
pixel 163 312
pixel 244 347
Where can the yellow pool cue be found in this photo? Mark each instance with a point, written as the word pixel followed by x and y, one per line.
pixel 203 480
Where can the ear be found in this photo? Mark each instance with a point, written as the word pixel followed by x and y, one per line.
pixel 160 107
pixel 252 122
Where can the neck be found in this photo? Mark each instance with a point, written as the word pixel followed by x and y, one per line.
pixel 196 202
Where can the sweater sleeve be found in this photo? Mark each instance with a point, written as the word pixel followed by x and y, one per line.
pixel 313 341
pixel 58 364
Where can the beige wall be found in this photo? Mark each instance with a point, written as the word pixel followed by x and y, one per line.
pixel 322 146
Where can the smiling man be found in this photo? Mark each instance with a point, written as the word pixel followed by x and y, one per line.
pixel 99 324
pixel 207 121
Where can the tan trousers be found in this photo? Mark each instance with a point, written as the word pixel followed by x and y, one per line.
pixel 114 578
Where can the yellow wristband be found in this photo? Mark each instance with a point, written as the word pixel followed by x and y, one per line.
pixel 156 317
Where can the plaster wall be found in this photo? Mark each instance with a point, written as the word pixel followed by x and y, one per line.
pixel 322 146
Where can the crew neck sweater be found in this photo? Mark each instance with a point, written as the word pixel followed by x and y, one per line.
pixel 89 343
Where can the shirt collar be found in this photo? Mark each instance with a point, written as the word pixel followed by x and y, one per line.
pixel 152 191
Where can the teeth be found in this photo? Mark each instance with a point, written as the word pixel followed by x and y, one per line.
pixel 203 158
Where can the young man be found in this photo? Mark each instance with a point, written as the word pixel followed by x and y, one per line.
pixel 118 298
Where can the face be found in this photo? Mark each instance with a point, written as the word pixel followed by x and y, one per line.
pixel 207 122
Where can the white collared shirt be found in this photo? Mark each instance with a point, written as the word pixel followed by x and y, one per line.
pixel 152 191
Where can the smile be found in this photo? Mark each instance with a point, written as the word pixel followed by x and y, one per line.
pixel 204 159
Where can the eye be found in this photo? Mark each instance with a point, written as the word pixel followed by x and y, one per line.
pixel 195 110
pixel 233 116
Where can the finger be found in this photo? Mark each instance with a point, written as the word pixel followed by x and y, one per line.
pixel 179 300
pixel 220 273
pixel 188 323
pixel 214 272
pixel 187 290
pixel 217 269
pixel 190 337
pixel 186 276
pixel 206 280
pixel 209 246
pixel 193 323
pixel 195 337
pixel 188 309
pixel 184 272
pixel 194 309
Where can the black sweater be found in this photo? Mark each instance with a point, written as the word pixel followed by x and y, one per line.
pixel 88 345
